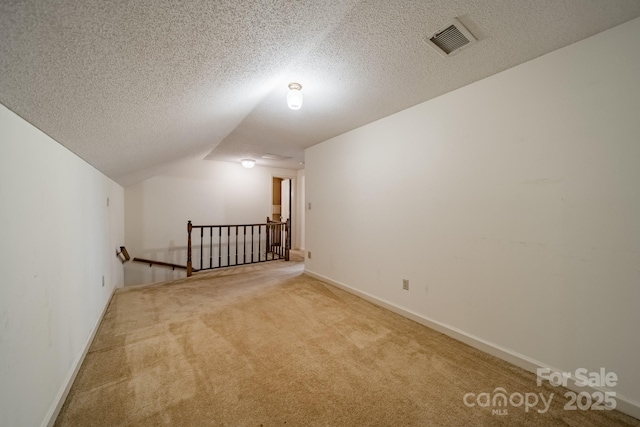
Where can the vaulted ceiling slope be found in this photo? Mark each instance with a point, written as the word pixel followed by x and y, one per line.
pixel 131 86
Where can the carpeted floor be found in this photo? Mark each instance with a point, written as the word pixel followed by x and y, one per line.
pixel 268 346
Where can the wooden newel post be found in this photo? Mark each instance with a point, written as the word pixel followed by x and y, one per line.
pixel 287 231
pixel 189 266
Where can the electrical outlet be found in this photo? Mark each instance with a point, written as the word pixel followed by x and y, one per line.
pixel 309 206
pixel 103 280
pixel 405 284
pixel 309 254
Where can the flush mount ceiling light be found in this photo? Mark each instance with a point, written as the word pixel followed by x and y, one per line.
pixel 248 163
pixel 294 97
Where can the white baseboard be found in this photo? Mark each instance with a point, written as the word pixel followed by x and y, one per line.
pixel 53 412
pixel 624 404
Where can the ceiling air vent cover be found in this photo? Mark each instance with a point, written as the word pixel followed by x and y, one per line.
pixel 269 156
pixel 451 38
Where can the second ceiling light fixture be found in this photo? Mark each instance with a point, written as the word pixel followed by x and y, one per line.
pixel 294 97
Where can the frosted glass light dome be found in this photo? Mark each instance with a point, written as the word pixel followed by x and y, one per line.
pixel 294 97
pixel 248 163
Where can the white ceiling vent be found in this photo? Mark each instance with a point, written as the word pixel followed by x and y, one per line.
pixel 451 38
pixel 269 156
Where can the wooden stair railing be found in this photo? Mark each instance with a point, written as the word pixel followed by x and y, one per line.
pixel 233 245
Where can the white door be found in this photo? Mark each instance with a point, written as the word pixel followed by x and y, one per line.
pixel 285 188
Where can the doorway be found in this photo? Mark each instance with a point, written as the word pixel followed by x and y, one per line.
pixel 281 199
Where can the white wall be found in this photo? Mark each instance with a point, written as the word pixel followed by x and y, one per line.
pixel 203 191
pixel 299 241
pixel 512 205
pixel 58 239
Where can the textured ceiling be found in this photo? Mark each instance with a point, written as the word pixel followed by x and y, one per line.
pixel 134 86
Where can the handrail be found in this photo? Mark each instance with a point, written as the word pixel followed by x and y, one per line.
pixel 240 225
pixel 161 263
pixel 239 244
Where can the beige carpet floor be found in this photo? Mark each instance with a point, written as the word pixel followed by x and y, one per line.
pixel 267 345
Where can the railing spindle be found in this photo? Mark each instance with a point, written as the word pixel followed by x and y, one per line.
pixel 266 249
pixel 267 230
pixel 189 266
pixel 219 246
pixel 244 244
pixel 259 242
pixel 201 241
